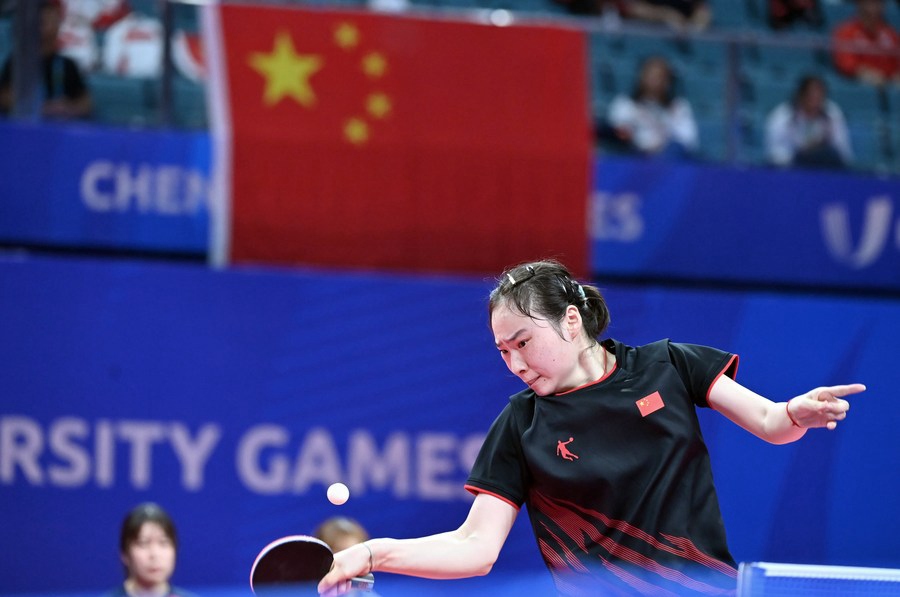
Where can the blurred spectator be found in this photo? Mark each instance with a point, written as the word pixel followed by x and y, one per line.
pixel 611 10
pixel 809 130
pixel 341 532
pixel 680 15
pixel 187 55
pixel 65 94
pixel 783 14
pixel 133 47
pixel 82 20
pixel 868 31
pixel 148 545
pixel 652 120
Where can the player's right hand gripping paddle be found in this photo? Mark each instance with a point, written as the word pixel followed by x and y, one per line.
pixel 296 560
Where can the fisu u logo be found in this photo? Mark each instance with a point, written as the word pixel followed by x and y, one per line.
pixel 875 234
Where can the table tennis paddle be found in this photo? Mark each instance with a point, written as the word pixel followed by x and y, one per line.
pixel 296 560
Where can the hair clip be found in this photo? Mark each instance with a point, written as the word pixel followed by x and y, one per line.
pixel 531 274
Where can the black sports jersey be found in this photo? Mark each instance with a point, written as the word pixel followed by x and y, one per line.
pixel 617 477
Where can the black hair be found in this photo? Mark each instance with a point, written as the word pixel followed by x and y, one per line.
pixel 804 83
pixel 637 92
pixel 135 519
pixel 544 290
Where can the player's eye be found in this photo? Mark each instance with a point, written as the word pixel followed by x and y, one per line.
pixel 522 343
pixel 504 351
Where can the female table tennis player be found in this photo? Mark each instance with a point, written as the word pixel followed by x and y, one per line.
pixel 604 447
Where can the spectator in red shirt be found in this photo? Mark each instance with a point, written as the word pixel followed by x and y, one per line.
pixel 868 31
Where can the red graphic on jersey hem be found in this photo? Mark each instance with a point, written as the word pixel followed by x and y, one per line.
pixel 564 547
pixel 650 404
pixel 563 452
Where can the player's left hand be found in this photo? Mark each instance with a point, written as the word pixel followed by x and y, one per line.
pixel 823 407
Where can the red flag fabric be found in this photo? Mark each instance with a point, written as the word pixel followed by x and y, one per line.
pixel 376 141
pixel 650 404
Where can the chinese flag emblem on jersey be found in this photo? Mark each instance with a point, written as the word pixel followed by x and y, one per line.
pixel 367 140
pixel 650 404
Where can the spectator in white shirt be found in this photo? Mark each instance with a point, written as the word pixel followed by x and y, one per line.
pixel 652 120
pixel 809 130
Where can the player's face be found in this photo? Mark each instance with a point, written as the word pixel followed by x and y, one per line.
pixel 534 351
pixel 151 557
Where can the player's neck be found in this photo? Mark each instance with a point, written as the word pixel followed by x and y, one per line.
pixel 597 362
pixel 135 589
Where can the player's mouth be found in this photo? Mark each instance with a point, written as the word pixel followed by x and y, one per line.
pixel 533 381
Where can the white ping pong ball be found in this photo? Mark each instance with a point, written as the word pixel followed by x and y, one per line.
pixel 338 493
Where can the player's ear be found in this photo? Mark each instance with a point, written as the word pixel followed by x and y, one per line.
pixel 572 322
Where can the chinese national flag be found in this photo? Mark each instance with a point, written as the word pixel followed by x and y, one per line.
pixel 366 140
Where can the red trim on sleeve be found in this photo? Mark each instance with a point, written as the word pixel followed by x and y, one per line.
pixel 477 490
pixel 732 364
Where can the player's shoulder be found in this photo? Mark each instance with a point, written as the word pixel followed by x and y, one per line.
pixel 521 405
pixel 638 357
pixel 523 399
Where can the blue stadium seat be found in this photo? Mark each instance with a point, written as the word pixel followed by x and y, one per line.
pixel 731 14
pixel 145 7
pixel 706 93
pixel 186 17
pixel 709 57
pixel 188 104
pixel 713 139
pixel 122 101
pixel 782 61
pixel 765 94
pixel 868 147
pixel 6 40
pixel 836 12
pixel 853 97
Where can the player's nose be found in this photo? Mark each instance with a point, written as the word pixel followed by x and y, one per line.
pixel 517 364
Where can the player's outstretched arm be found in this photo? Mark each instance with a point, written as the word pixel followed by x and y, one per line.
pixel 470 550
pixel 781 422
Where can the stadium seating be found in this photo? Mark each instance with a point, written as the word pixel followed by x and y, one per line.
pixel 5 38
pixel 725 102
pixel 123 101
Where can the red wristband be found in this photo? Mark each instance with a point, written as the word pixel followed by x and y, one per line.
pixel 787 409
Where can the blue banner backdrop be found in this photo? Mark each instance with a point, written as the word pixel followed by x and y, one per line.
pixel 83 186
pixel 235 398
pixel 691 221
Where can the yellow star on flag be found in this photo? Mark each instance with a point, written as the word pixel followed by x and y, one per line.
pixel 346 36
pixel 374 65
pixel 378 105
pixel 356 131
pixel 287 73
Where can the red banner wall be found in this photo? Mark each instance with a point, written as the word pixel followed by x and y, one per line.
pixel 366 140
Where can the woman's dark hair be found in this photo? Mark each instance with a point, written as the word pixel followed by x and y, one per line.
pixel 332 530
pixel 134 520
pixel 804 84
pixel 637 93
pixel 544 289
